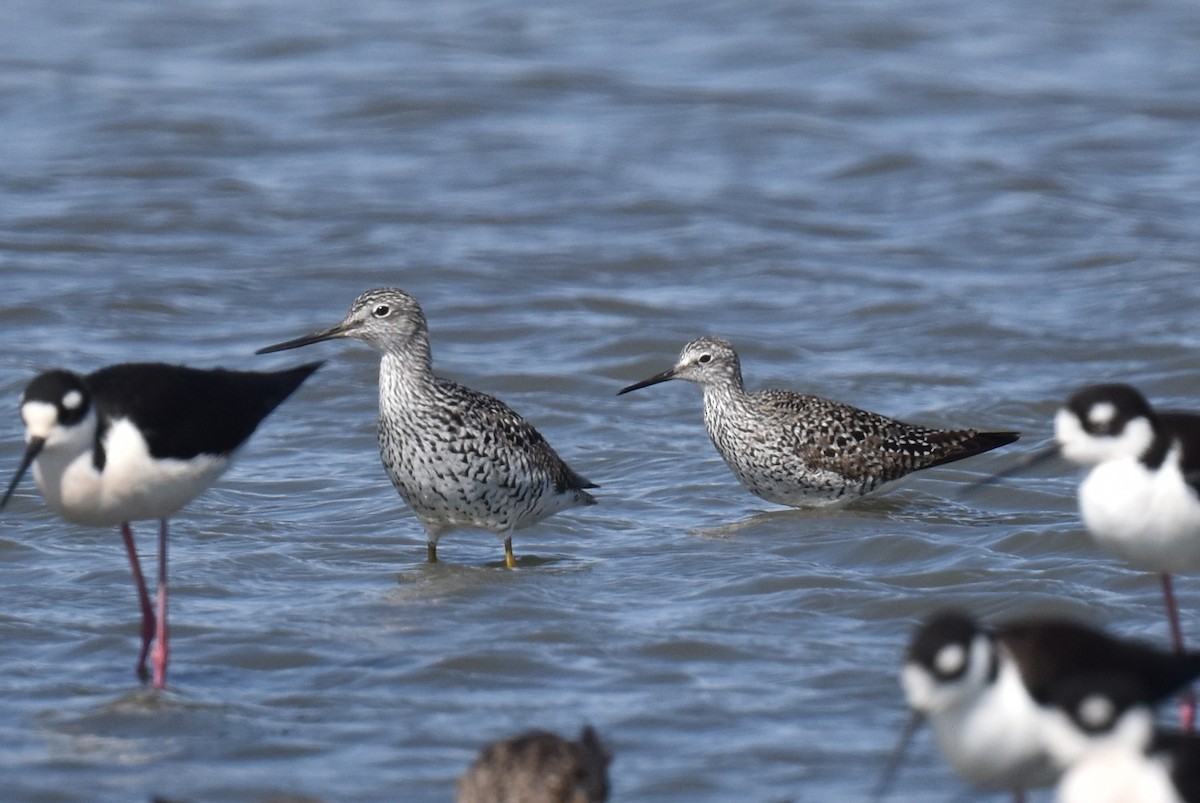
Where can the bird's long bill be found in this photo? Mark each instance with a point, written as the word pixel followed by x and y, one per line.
pixel 892 769
pixel 31 453
pixel 1024 464
pixel 340 330
pixel 654 380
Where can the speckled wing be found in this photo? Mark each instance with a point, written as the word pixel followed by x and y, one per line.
pixel 861 445
pixel 512 442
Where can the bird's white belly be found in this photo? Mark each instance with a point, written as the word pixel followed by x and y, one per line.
pixel 996 742
pixel 132 485
pixel 1117 776
pixel 1149 518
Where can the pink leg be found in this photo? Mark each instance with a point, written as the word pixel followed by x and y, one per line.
pixel 143 600
pixel 1187 709
pixel 162 649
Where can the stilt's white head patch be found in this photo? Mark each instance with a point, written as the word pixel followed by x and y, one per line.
pixel 72 399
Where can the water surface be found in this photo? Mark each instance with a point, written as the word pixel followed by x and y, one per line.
pixel 950 213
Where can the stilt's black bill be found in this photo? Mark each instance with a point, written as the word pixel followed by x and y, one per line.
pixel 654 380
pixel 31 452
pixel 341 330
pixel 1024 464
pixel 892 769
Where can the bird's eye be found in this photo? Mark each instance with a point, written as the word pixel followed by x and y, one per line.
pixel 704 358
pixel 382 311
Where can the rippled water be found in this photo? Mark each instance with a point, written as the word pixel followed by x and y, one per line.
pixel 952 213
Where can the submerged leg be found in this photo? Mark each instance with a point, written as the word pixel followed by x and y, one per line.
pixel 143 600
pixel 162 649
pixel 510 560
pixel 896 759
pixel 1187 708
pixel 1172 613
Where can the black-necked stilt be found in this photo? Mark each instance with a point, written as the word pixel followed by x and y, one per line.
pixel 138 441
pixel 1102 734
pixel 1140 499
pixel 458 457
pixel 539 767
pixel 983 690
pixel 805 451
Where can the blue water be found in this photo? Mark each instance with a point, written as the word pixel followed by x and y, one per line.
pixel 951 213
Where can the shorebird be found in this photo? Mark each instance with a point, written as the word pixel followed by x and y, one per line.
pixel 1140 499
pixel 1101 733
pixel 1140 496
pixel 139 441
pixel 984 690
pixel 458 457
pixel 805 451
pixel 539 767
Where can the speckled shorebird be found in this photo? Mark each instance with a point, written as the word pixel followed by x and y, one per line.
pixel 805 451
pixel 458 457
pixel 539 767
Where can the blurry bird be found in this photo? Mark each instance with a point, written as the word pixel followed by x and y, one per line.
pixel 1140 497
pixel 539 767
pixel 1101 733
pixel 983 690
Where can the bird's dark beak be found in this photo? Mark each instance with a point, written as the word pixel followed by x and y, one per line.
pixel 1024 464
pixel 31 453
pixel 342 329
pixel 892 769
pixel 665 376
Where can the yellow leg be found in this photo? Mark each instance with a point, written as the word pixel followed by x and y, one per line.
pixel 431 551
pixel 509 560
